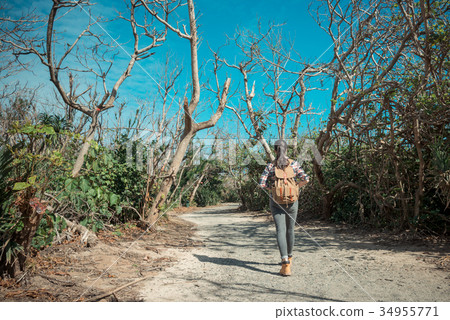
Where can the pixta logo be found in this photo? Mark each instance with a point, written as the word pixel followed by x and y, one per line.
pixel 156 151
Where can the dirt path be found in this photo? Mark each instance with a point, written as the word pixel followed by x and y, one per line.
pixel 239 262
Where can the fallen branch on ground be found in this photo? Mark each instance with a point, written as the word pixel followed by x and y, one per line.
pixel 99 297
pixel 87 237
pixel 57 281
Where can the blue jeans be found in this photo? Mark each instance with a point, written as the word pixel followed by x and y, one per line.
pixel 285 217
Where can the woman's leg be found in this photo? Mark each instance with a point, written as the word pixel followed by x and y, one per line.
pixel 279 216
pixel 291 218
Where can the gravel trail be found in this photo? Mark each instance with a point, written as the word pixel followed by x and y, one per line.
pixel 240 262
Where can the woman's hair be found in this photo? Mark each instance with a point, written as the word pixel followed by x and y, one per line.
pixel 281 160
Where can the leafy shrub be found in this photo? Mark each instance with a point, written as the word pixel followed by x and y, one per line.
pixel 27 167
pixel 49 227
pixel 106 186
pixel 210 192
pixel 253 197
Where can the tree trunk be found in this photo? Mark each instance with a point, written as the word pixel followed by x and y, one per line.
pixel 167 183
pixel 190 127
pixel 327 206
pixel 176 187
pixel 197 185
pixel 283 125
pixel 298 115
pixel 150 181
pixel 395 161
pixel 327 197
pixel 421 173
pixel 266 147
pixel 85 147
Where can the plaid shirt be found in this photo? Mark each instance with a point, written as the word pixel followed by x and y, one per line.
pixel 269 173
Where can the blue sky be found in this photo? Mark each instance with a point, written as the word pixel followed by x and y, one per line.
pixel 216 20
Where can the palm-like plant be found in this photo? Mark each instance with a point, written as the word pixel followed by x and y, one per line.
pixel 6 185
pixel 8 248
pixel 59 124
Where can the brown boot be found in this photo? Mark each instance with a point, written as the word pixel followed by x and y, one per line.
pixel 285 268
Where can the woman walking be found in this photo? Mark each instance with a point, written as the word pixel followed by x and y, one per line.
pixel 283 178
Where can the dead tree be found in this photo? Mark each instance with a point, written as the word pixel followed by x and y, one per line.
pixel 59 58
pixel 248 44
pixel 370 55
pixel 266 54
pixel 166 130
pixel 289 80
pixel 160 11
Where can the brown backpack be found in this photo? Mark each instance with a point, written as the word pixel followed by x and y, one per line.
pixel 285 189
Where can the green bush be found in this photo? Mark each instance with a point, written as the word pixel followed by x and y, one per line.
pixel 26 170
pixel 210 192
pixel 253 197
pixel 49 227
pixel 105 190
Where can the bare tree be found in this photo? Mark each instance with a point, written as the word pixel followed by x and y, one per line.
pixel 373 60
pixel 288 82
pixel 166 130
pixel 249 46
pixel 359 40
pixel 267 55
pixel 59 58
pixel 190 126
